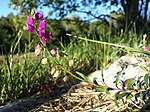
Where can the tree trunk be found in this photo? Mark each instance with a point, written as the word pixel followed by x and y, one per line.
pixel 131 12
pixel 145 11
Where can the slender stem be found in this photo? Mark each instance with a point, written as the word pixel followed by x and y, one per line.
pixel 112 44
pixel 45 48
pixel 63 67
pixel 29 44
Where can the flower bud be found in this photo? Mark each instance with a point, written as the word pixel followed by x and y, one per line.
pixel 53 51
pixel 38 50
pixel 39 15
pixel 48 35
pixel 148 48
pixel 71 63
pixel 44 61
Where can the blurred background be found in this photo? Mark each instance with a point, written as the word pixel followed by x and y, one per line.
pixel 87 18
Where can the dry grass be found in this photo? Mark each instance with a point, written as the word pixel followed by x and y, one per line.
pixel 20 57
pixel 81 98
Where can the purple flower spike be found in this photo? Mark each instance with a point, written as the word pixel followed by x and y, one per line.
pixel 148 48
pixel 44 40
pixel 39 15
pixel 48 35
pixel 30 28
pixel 42 24
pixel 30 20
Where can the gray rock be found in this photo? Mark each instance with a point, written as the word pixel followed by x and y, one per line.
pixel 124 68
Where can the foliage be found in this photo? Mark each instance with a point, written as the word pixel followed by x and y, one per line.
pixel 32 74
pixel 75 58
pixel 7 33
pixel 131 88
pixel 135 11
pixel 59 29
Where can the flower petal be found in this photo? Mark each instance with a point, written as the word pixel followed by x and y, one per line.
pixel 48 35
pixel 41 32
pixel 30 28
pixel 148 48
pixel 42 24
pixel 44 40
pixel 30 20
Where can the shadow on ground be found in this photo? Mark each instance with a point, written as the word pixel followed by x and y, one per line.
pixel 27 104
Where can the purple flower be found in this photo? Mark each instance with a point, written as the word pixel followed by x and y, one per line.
pixel 148 48
pixel 41 32
pixel 39 15
pixel 30 28
pixel 30 21
pixel 48 35
pixel 44 40
pixel 42 24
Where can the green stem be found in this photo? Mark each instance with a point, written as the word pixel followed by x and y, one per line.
pixel 112 44
pixel 63 67
pixel 58 62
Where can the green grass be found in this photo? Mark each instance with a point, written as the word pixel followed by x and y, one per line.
pixel 23 74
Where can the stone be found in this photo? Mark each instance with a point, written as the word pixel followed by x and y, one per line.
pixel 125 68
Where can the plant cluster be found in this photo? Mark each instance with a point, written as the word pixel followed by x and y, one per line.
pixel 131 89
pixel 81 54
pixel 31 26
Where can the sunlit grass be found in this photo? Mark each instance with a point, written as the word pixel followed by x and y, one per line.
pixel 22 74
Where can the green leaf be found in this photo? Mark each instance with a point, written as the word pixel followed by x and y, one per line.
pixel 144 68
pixel 119 96
pixel 84 77
pixel 141 95
pixel 131 83
pixel 146 79
pixel 116 102
pixel 102 89
pixel 94 81
pixel 130 95
pixel 139 84
pixel 117 78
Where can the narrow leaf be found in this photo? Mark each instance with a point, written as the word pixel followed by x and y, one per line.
pixel 121 95
pixel 146 78
pixel 130 95
pixel 84 77
pixel 131 83
pixel 141 95
pixel 144 68
pixel 102 89
pixel 117 78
